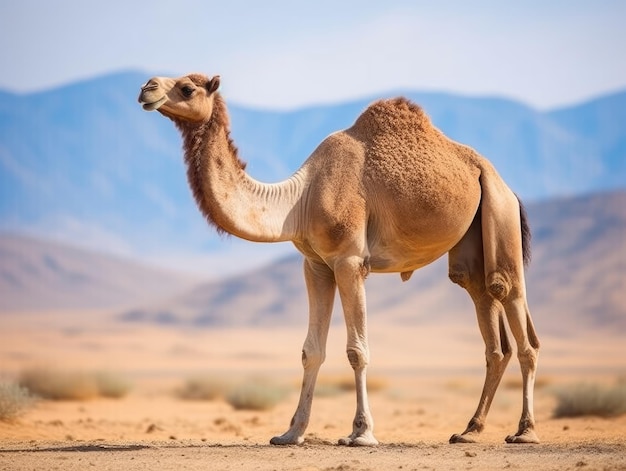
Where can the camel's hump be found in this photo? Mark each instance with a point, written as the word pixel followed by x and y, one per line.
pixel 394 113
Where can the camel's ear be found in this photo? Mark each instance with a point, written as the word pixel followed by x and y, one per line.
pixel 213 84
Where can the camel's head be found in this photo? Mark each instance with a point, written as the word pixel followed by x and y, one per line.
pixel 189 98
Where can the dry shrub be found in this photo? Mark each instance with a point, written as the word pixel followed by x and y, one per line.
pixel 256 394
pixel 590 399
pixel 59 385
pixel 112 385
pixel 459 384
pixel 206 388
pixel 72 385
pixel 332 385
pixel 14 400
pixel 325 388
pixel 516 383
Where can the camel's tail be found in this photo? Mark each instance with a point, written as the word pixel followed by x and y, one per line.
pixel 526 234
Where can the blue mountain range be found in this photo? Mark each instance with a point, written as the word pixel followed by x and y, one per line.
pixel 85 164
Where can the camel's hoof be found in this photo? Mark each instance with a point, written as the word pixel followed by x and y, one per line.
pixel 466 438
pixel 361 440
pixel 286 440
pixel 527 436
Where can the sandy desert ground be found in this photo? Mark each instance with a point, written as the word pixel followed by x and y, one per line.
pixel 432 382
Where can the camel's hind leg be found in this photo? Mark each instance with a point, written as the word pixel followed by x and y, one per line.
pixel 504 272
pixel 320 282
pixel 527 349
pixel 466 268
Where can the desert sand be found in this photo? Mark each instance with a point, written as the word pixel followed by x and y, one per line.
pixel 431 382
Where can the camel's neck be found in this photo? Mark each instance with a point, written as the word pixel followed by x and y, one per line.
pixel 227 196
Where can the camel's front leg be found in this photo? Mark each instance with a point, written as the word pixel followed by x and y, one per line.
pixel 320 283
pixel 350 274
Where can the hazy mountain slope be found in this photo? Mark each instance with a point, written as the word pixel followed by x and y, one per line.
pixel 601 122
pixel 579 271
pixel 36 274
pixel 85 164
pixel 577 280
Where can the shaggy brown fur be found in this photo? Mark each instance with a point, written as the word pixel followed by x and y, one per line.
pixel 196 139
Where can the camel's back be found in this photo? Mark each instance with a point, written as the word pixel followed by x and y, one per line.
pixel 392 115
pixel 410 158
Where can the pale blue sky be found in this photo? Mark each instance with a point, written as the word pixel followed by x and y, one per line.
pixel 285 54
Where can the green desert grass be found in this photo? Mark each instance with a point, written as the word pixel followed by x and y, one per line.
pixel 14 400
pixel 585 399
pixel 49 383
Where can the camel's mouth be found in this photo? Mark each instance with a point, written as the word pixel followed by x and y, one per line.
pixel 154 105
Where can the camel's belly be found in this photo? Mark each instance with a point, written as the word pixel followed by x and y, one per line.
pixel 418 237
pixel 397 259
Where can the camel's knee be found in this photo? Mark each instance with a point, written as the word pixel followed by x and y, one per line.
pixel 351 266
pixel 498 285
pixel 497 359
pixel 358 359
pixel 507 351
pixel 312 358
pixel 459 274
pixel 528 357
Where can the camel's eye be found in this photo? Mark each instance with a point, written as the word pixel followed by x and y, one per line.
pixel 187 91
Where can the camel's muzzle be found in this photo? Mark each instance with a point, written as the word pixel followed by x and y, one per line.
pixel 149 96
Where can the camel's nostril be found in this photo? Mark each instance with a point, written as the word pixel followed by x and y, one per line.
pixel 149 85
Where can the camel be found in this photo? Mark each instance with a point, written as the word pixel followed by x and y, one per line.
pixel 390 194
